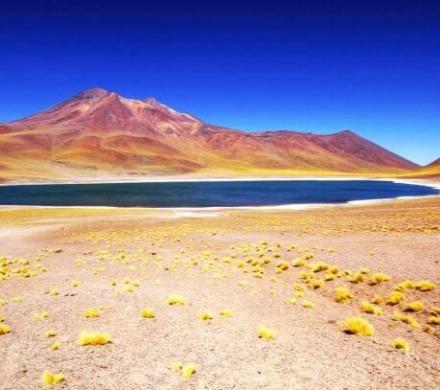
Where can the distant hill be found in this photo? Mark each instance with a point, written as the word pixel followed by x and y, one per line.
pixel 430 170
pixel 99 134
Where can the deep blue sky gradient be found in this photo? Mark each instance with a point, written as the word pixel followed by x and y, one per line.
pixel 321 66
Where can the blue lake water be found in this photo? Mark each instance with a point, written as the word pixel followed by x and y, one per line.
pixel 208 194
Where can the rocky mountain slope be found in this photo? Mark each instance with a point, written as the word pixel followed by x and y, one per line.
pixel 99 134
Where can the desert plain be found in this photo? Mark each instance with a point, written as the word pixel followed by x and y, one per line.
pixel 221 299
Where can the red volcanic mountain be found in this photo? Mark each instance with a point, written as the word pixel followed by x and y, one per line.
pixel 99 134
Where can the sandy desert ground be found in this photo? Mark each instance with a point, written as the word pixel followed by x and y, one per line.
pixel 279 269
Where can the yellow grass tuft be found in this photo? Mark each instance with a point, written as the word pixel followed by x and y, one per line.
pixel 55 346
pixel 347 272
pixel 395 297
pixel 92 312
pixel 318 267
pixel 50 333
pixel 266 333
pixel 94 338
pixel 358 326
pixel 379 278
pixel 308 256
pixel 49 378
pixel 41 316
pixel 53 292
pixel 415 306
pixel 425 285
pixel 400 343
pixel 404 285
pixel 432 320
pixel 226 312
pixel 205 315
pixel 369 308
pixel 308 304
pixel 292 301
pixel 315 283
pixel 189 370
pixel 147 312
pixel 4 329
pixel 357 277
pixel 175 299
pixel 329 277
pixel 75 283
pixel 299 262
pixel 282 266
pixel 405 318
pixel 342 295
pixel 305 275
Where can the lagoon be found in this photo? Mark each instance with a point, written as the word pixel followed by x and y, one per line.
pixel 210 193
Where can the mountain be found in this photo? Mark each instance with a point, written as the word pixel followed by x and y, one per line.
pixel 430 170
pixel 98 133
pixel 434 165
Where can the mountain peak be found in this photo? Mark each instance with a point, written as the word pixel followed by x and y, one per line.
pixel 92 94
pixel 346 132
pixel 151 100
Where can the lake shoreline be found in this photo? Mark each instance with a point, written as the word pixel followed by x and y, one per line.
pixel 194 210
pixel 179 179
pixel 185 179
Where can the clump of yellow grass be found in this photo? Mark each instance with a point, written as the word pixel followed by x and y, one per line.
pixel 358 326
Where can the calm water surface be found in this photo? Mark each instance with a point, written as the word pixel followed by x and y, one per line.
pixel 208 194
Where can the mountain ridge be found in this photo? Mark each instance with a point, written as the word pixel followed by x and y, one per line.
pixel 431 170
pixel 434 164
pixel 98 132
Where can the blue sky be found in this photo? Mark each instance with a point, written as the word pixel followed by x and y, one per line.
pixel 321 66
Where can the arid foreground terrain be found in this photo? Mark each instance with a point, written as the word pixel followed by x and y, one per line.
pixel 299 274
